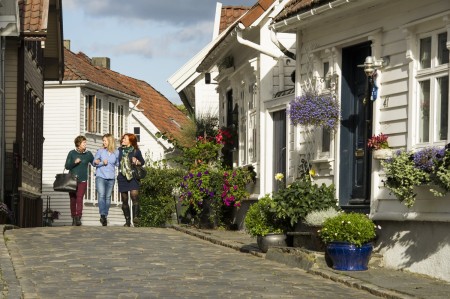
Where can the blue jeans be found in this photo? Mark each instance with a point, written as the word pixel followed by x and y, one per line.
pixel 104 189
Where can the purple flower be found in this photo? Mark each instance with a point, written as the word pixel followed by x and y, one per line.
pixel 199 174
pixel 427 158
pixel 315 110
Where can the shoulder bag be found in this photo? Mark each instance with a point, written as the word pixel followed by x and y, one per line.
pixel 138 171
pixel 65 182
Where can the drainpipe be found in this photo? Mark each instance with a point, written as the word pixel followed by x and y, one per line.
pixel 274 39
pixel 2 119
pixel 250 44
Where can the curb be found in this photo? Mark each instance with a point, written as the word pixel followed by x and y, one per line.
pixel 312 269
pixel 11 285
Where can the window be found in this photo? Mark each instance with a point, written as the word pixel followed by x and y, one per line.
pixel 120 121
pixel 33 136
pixel 432 91
pixel 111 119
pixel 93 114
pixel 137 132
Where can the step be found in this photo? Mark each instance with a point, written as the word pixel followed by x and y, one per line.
pixel 308 259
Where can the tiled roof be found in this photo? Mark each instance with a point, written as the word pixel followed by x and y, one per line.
pixel 229 14
pixel 297 6
pixel 246 19
pixel 33 17
pixel 79 67
pixel 157 108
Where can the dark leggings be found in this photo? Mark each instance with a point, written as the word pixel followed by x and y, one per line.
pixel 134 197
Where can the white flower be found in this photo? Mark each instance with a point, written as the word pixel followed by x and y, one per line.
pixel 279 176
pixel 335 234
pixel 379 226
pixel 348 222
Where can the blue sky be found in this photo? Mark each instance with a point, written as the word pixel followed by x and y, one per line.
pixel 145 39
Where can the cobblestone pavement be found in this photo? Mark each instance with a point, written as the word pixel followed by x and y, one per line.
pixel 117 262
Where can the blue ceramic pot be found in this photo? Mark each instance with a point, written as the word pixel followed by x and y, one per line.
pixel 348 257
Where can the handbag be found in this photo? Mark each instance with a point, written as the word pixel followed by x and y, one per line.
pixel 138 172
pixel 65 182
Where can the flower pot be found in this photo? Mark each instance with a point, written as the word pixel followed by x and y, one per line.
pixel 348 257
pixel 382 154
pixel 269 240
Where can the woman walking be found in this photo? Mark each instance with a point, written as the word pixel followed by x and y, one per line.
pixel 106 159
pixel 77 163
pixel 129 154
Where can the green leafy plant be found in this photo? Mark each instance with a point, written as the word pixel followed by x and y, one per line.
pixel 317 217
pixel 260 220
pixel 157 201
pixel 407 169
pixel 303 196
pixel 354 228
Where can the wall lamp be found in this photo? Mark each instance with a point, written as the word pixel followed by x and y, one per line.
pixel 371 64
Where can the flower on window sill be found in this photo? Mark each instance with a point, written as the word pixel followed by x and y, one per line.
pixel 377 142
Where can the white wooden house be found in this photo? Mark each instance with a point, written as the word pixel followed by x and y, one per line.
pixel 253 79
pixel 92 101
pixel 409 40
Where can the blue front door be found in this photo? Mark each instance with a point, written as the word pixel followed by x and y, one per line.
pixel 356 126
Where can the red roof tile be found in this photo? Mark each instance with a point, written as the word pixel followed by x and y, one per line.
pixel 230 14
pixel 157 108
pixel 33 17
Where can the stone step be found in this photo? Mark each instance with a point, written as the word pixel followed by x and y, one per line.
pixel 308 259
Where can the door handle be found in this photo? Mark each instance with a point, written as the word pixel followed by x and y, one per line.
pixel 359 152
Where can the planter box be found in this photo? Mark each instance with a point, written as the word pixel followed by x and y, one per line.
pixel 382 154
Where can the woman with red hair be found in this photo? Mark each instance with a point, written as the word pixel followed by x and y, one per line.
pixel 129 154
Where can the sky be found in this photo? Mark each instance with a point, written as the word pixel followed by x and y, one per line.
pixel 145 39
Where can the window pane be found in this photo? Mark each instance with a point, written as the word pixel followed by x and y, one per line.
pixel 325 140
pixel 424 119
pixel 425 53
pixel 442 49
pixel 442 109
pixel 137 132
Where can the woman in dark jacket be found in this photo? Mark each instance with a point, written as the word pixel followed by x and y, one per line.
pixel 77 163
pixel 129 153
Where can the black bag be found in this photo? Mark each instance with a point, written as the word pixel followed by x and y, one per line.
pixel 65 182
pixel 138 172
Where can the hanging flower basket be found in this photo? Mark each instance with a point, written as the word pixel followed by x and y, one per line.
pixel 312 109
pixel 382 154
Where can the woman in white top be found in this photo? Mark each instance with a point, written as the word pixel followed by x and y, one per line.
pixel 106 159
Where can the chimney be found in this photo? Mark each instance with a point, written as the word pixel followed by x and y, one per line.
pixel 67 44
pixel 101 61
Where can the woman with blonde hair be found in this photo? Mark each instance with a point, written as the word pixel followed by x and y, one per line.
pixel 106 159
pixel 129 153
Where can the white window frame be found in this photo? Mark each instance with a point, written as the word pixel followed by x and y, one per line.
pixel 112 118
pixel 93 114
pixel 432 74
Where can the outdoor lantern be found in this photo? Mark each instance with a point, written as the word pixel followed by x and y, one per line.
pixel 371 64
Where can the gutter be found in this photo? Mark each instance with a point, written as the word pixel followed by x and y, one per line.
pixel 239 28
pixel 306 15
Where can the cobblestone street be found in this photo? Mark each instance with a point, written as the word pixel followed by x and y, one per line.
pixel 116 262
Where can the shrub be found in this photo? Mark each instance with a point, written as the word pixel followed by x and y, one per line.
pixel 294 202
pixel 260 221
pixel 354 228
pixel 317 217
pixel 156 199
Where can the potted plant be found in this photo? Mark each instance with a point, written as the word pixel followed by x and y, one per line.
pixel 5 213
pixel 312 225
pixel 379 146
pixel 295 201
pixel 50 216
pixel 261 223
pixel 348 237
